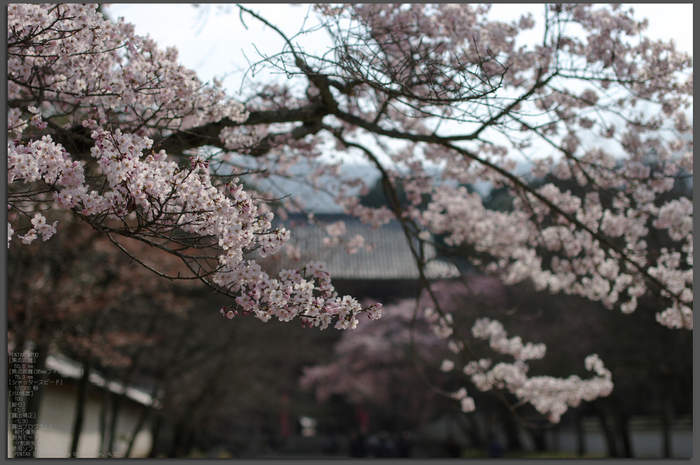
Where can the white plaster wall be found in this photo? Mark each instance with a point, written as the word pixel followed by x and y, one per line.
pixel 57 413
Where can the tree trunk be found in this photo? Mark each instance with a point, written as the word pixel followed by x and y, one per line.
pixel 34 401
pixel 539 439
pixel 190 439
pixel 555 438
pixel 622 421
pixel 177 438
pixel 580 435
pixel 116 406
pixel 665 431
pixel 511 429
pixel 137 429
pixel 155 433
pixel 179 448
pixel 610 438
pixel 471 429
pixel 106 398
pixel 83 388
pixel 27 406
pixel 16 401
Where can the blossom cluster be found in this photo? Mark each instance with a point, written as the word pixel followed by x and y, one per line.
pixel 305 293
pixel 493 330
pixel 65 55
pixel 441 325
pixel 549 395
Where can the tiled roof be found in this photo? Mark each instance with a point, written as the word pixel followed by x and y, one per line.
pixel 68 368
pixel 390 257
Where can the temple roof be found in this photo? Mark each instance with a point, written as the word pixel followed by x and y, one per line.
pixel 389 257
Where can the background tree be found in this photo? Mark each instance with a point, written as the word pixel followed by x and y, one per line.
pixel 377 367
pixel 96 308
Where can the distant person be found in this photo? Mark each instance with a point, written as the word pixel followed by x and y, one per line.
pixel 452 448
pixel 372 444
pixel 385 448
pixel 357 445
pixel 494 447
pixel 404 445
pixel 330 445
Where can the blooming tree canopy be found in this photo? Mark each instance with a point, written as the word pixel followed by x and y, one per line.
pixel 77 77
pixel 437 97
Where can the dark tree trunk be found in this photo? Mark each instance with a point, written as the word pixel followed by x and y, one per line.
pixel 467 423
pixel 539 439
pixel 665 431
pixel 580 435
pixel 34 401
pixel 137 429
pixel 13 394
pixel 16 401
pixel 177 438
pixel 189 440
pixel 511 429
pixel 155 433
pixel 610 438
pixel 622 421
pixel 83 389
pixel 24 434
pixel 116 406
pixel 185 430
pixel 117 401
pixel 106 398
pixel 179 448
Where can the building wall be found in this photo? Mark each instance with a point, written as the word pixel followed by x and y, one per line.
pixel 57 414
pixel 645 434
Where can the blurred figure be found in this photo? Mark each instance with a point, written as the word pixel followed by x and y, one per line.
pixel 330 444
pixel 452 448
pixel 404 445
pixel 494 447
pixel 372 444
pixel 357 445
pixel 385 449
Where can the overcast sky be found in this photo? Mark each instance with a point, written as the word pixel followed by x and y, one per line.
pixel 214 44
